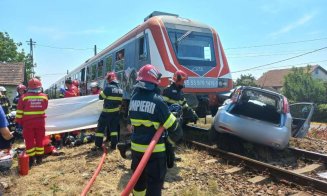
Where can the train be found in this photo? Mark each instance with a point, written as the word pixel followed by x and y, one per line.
pixel 170 43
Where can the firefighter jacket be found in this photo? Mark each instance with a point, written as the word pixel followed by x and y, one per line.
pixel 174 95
pixel 5 103
pixel 113 97
pixel 15 102
pixel 31 106
pixel 71 92
pixel 147 112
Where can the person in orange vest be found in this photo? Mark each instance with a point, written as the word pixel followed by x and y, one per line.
pixel 76 84
pixel 95 89
pixel 31 116
pixel 71 89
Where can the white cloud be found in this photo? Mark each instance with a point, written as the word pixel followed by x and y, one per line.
pixel 301 21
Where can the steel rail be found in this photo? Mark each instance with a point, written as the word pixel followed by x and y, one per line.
pixel 274 171
pixel 309 154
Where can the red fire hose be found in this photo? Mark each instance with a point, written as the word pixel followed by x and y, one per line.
pixel 136 175
pixel 96 173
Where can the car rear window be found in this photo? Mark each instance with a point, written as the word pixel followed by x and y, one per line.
pixel 258 105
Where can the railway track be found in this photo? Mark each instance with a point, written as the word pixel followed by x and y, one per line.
pixel 274 171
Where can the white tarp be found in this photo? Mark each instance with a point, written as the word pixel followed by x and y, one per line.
pixel 71 114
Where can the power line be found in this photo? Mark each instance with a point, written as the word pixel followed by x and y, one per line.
pixel 52 74
pixel 307 63
pixel 259 55
pixel 277 44
pixel 264 65
pixel 63 48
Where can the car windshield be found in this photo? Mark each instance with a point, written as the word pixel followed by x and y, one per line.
pixel 192 48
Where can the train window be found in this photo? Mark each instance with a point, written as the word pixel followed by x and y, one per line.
pixel 192 48
pixel 120 55
pixel 109 63
pixel 88 74
pixel 119 65
pixel 100 68
pixel 93 71
pixel 142 48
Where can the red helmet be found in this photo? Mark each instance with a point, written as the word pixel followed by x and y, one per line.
pixel 179 77
pixel 21 87
pixel 76 83
pixel 149 73
pixel 34 83
pixel 111 77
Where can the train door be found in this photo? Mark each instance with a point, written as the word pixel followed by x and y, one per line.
pixel 142 51
pixel 83 83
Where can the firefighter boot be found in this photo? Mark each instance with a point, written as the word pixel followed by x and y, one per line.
pixel 39 160
pixel 31 161
pixel 122 149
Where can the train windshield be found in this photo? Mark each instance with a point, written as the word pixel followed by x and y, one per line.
pixel 192 48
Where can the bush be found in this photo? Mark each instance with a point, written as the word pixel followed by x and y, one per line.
pixel 320 113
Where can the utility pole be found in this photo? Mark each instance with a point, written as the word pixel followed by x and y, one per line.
pixel 95 50
pixel 31 43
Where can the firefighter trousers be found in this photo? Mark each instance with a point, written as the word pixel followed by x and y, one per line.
pixel 111 122
pixel 152 178
pixel 33 133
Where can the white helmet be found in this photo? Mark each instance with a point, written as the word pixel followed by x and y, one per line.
pixel 94 84
pixel 3 89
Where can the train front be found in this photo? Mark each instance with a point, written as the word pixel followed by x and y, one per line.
pixel 196 49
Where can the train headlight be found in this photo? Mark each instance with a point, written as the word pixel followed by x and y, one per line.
pixel 222 82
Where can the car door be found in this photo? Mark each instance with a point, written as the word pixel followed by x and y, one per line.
pixel 301 114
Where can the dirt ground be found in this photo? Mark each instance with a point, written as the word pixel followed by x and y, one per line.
pixel 197 174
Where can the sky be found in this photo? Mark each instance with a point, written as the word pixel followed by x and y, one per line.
pixel 253 32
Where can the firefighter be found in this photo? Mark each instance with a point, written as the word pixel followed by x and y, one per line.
pixel 95 89
pixel 71 89
pixel 147 112
pixel 21 89
pixel 31 116
pixel 173 95
pixel 4 101
pixel 76 84
pixel 109 118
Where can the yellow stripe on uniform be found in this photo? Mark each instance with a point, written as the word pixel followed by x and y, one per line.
pixel 147 123
pixel 114 98
pixel 39 151
pixel 35 97
pixel 170 121
pixel 103 95
pixel 142 147
pixel 30 150
pixel 113 133
pixel 35 112
pixel 19 116
pixel 19 111
pixel 111 110
pixel 139 193
pixel 99 135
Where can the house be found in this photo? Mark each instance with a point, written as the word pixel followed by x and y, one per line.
pixel 11 75
pixel 274 79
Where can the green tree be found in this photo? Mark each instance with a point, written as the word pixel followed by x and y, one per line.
pixel 246 80
pixel 9 53
pixel 300 86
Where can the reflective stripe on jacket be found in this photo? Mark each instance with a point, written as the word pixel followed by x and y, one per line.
pixel 112 96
